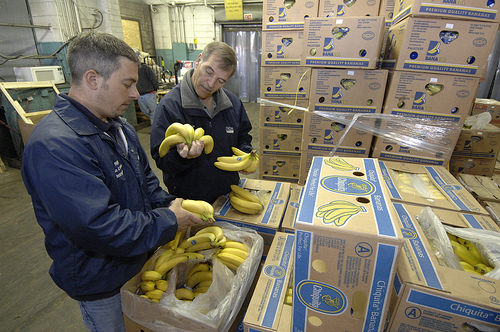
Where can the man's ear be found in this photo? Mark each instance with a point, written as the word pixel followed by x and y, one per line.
pixel 198 60
pixel 91 78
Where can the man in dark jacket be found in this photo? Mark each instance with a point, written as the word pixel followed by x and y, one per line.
pixel 147 87
pixel 201 101
pixel 94 194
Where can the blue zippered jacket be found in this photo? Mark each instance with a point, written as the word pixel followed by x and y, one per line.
pixel 102 210
pixel 230 126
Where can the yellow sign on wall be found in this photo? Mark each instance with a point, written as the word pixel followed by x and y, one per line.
pixel 234 10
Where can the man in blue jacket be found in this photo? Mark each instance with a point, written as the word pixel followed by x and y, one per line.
pixel 201 101
pixel 94 194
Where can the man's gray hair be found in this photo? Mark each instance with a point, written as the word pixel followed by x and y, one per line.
pixel 98 51
pixel 224 53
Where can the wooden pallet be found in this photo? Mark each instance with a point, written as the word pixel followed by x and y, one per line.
pixel 30 119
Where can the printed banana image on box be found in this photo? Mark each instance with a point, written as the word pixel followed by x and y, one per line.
pixel 346 247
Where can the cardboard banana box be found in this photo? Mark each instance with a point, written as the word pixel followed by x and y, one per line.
pixel 267 222
pixel 288 223
pixel 425 185
pixel 265 309
pixel 438 297
pixel 346 246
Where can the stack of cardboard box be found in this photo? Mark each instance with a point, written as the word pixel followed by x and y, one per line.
pixel 284 82
pixel 438 51
pixel 476 151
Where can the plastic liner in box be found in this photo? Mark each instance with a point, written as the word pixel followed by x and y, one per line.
pixel 213 311
pixel 418 133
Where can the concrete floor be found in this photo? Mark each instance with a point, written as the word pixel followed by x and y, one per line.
pixel 30 299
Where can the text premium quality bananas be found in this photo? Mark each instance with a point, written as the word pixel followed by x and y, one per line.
pixel 178 133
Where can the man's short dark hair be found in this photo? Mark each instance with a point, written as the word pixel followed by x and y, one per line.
pixel 98 51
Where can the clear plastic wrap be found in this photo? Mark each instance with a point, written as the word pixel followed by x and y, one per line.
pixel 213 311
pixel 421 134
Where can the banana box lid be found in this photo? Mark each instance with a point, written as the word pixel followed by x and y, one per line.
pixel 346 194
pixel 425 185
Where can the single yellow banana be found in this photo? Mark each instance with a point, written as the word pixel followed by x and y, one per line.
pixel 253 166
pixel 244 209
pixel 175 242
pixel 201 246
pixel 147 286
pixel 198 238
pixel 180 251
pixel 161 284
pixel 177 128
pixel 209 143
pixel 200 290
pixel 245 203
pixel 238 152
pixel 204 283
pixel 230 258
pixel 219 234
pixel 236 244
pixel 233 159
pixel 163 257
pixel 200 267
pixel 170 142
pixel 464 254
pixel 466 265
pixel 462 241
pixel 236 251
pixel 245 194
pixel 155 294
pixel 482 268
pixel 222 242
pixel 190 133
pixel 198 277
pixel 473 250
pixel 198 132
pixel 151 275
pixel 184 294
pixel 234 167
pixel 170 263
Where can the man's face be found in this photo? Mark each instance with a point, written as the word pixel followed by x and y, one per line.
pixel 209 76
pixel 116 93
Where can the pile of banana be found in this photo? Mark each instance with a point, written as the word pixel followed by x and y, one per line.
pixel 417 184
pixel 471 259
pixel 239 161
pixel 197 282
pixel 178 133
pixel 244 201
pixel 338 212
pixel 232 253
pixel 202 209
pixel 339 164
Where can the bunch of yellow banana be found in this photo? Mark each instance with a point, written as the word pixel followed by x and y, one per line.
pixel 339 164
pixel 232 254
pixel 200 208
pixel 239 161
pixel 197 282
pixel 178 133
pixel 338 212
pixel 244 201
pixel 470 258
pixel 205 238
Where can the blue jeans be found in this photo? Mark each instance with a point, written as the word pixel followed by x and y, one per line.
pixel 103 315
pixel 147 104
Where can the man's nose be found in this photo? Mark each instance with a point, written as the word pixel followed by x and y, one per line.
pixel 134 94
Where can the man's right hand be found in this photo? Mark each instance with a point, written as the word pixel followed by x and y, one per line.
pixel 190 152
pixel 185 219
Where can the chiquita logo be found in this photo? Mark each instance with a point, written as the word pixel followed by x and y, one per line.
pixel 321 297
pixel 274 271
pixel 347 185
